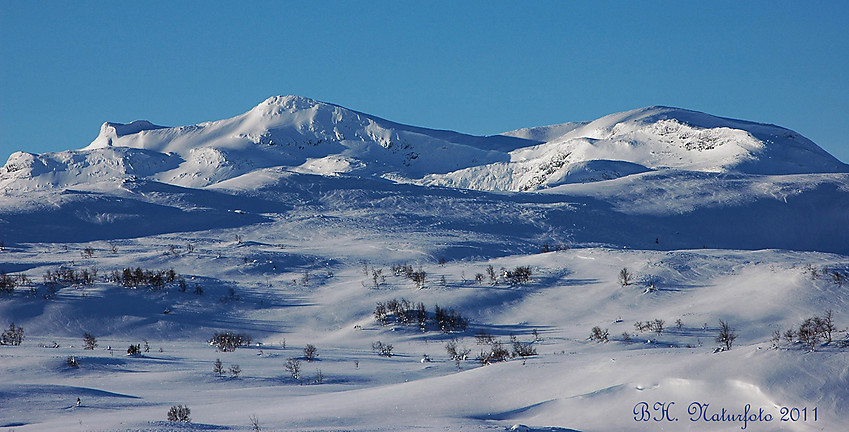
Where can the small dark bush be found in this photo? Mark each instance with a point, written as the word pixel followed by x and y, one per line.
pixel 523 349
pixel 449 320
pixel 484 338
pixel 625 277
pixel 7 283
pixel 310 352
pixel 726 335
pixel 293 366
pixel 89 341
pixel 598 335
pixel 228 341
pixel 455 352
pixel 497 353
pixel 518 276
pixel 14 335
pixel 179 413
pixel 153 279
pixel 405 312
pixel 384 350
pixel 68 276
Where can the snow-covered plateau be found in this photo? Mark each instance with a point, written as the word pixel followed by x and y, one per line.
pixel 656 269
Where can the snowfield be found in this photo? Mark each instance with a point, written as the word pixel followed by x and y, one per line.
pixel 294 222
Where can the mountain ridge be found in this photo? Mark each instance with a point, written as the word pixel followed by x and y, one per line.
pixel 308 136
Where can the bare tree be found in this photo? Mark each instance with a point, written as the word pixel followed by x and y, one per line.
pixel 383 350
pixel 293 366
pixel 625 277
pixel 598 335
pixel 89 341
pixel 657 325
pixel 727 335
pixel 828 324
pixel 491 272
pixel 179 413
pixel 255 423
pixel 838 278
pixel 776 338
pixel 13 336
pixel 790 336
pixel 310 352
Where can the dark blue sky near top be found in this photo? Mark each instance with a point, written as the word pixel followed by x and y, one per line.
pixel 474 67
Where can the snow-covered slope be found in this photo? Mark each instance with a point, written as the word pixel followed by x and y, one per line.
pixel 292 132
pixel 291 222
pixel 654 138
pixel 308 136
pixel 628 179
pixel 303 135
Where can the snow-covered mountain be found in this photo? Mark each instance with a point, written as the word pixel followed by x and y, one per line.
pixel 292 132
pixel 655 162
pixel 303 135
pixel 654 138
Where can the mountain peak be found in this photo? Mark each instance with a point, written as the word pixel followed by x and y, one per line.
pixel 278 105
pixel 302 134
pixel 111 131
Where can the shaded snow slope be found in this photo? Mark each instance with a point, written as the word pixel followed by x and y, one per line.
pixel 303 282
pixel 667 211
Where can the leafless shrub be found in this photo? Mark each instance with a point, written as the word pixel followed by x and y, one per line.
pixel 179 413
pixel 293 366
pixel 89 341
pixel 383 350
pixel 598 335
pixel 310 352
pixel 726 335
pixel 625 277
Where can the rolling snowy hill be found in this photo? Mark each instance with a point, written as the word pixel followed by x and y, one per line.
pixel 313 137
pixel 687 178
pixel 291 222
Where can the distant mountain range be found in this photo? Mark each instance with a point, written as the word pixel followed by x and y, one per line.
pixel 657 177
pixel 303 135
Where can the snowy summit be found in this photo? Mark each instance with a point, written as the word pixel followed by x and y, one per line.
pixel 308 136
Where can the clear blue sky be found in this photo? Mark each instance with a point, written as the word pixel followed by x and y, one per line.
pixel 475 67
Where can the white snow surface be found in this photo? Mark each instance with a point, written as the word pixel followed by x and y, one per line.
pixel 290 217
pixel 310 136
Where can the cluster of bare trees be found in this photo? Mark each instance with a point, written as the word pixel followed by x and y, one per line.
pixel 155 279
pixel 811 332
pixel 405 312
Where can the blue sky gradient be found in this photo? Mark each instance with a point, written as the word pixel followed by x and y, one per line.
pixel 474 67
